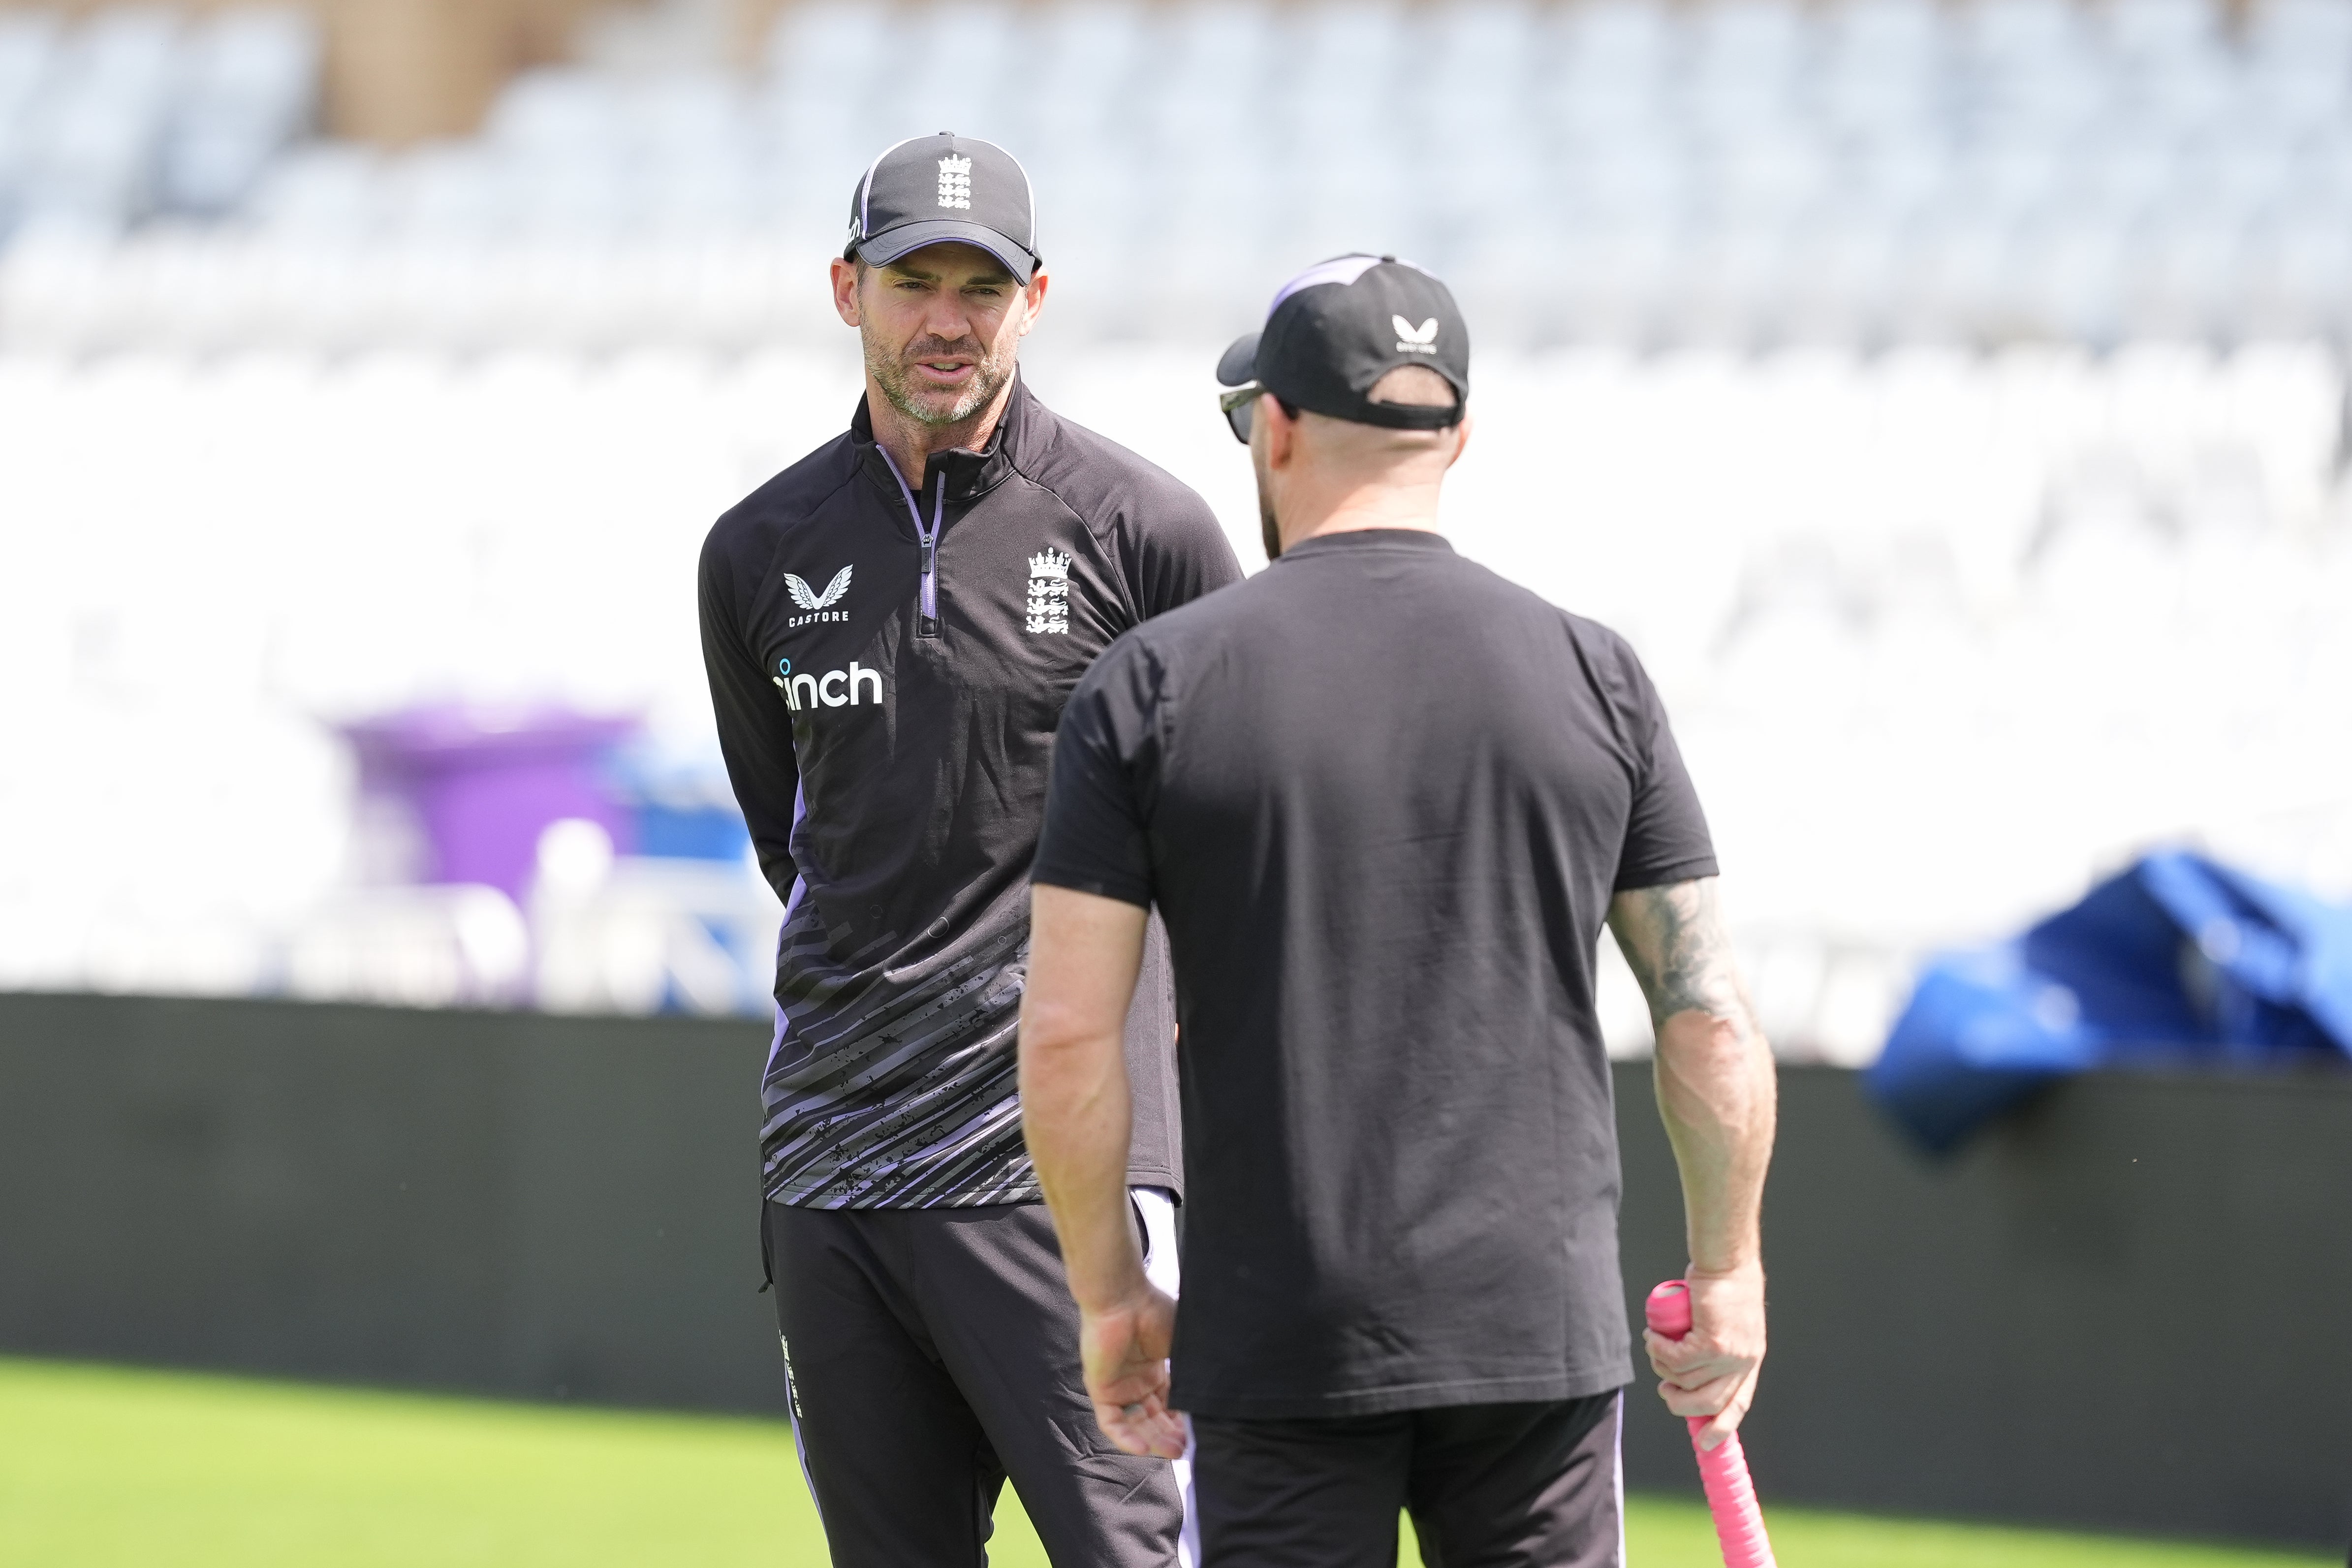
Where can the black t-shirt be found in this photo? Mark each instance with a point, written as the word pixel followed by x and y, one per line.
pixel 1381 798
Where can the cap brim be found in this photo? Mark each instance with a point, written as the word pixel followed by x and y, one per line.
pixel 1239 365
pixel 909 237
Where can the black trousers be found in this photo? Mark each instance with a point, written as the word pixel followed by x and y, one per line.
pixel 1489 1486
pixel 932 1353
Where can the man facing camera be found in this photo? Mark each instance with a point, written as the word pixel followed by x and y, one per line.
pixel 891 627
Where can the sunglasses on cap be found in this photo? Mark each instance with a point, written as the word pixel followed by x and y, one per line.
pixel 1238 406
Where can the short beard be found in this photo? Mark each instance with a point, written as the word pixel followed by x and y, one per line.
pixel 989 373
pixel 1269 530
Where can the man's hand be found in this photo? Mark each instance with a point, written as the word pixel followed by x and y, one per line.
pixel 1711 1371
pixel 1125 1349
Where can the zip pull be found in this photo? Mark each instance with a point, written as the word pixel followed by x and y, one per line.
pixel 926 602
pixel 927 623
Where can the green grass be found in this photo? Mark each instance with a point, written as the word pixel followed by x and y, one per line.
pixel 101 1466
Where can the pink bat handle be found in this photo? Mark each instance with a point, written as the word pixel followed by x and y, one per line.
pixel 1730 1496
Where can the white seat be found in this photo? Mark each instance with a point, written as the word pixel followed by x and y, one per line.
pixel 248 86
pixel 1622 36
pixel 28 52
pixel 834 41
pixel 2312 29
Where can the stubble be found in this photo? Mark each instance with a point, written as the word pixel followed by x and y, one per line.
pixel 894 376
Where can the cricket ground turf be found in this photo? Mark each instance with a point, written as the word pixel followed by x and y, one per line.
pixel 101 1466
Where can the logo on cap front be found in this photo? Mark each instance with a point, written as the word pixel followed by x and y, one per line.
pixel 955 183
pixel 1413 340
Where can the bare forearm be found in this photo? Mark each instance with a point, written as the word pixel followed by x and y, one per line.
pixel 1717 1096
pixel 1084 954
pixel 1076 1111
pixel 1716 1085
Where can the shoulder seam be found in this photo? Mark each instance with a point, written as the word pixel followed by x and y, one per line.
pixel 1020 467
pixel 803 508
pixel 1059 500
pixel 740 592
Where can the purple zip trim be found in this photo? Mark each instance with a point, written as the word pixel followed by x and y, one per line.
pixel 932 550
pixel 930 602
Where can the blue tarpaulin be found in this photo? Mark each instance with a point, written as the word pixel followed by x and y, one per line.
pixel 2180 959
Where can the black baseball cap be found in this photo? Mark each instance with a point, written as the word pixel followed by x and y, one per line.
pixel 930 190
pixel 1337 328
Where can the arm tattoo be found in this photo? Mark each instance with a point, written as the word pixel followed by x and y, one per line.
pixel 1674 939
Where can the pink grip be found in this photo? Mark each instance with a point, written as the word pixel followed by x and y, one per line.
pixel 1730 1496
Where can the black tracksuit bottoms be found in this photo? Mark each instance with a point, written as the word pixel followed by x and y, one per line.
pixel 1489 1486
pixel 932 1354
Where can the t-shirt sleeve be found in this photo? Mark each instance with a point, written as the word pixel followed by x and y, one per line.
pixel 1178 551
pixel 1095 838
pixel 1667 839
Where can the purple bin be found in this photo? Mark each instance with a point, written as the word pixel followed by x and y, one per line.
pixel 483 782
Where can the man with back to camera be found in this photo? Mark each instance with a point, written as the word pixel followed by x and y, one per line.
pixel 891 627
pixel 1383 800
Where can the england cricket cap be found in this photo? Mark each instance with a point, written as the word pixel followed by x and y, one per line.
pixel 931 190
pixel 1339 326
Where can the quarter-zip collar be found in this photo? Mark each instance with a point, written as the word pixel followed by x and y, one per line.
pixel 958 474
pixel 969 474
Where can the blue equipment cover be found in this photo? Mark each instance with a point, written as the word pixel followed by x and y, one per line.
pixel 2179 958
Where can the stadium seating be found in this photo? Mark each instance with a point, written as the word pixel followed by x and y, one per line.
pixel 133 114
pixel 1739 173
pixel 1945 399
pixel 1944 632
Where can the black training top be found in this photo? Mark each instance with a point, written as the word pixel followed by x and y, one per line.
pixel 888 659
pixel 1381 798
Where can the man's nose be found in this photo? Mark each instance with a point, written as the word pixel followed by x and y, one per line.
pixel 947 320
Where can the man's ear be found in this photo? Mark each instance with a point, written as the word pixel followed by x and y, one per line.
pixel 1036 294
pixel 1460 439
pixel 844 290
pixel 1281 431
